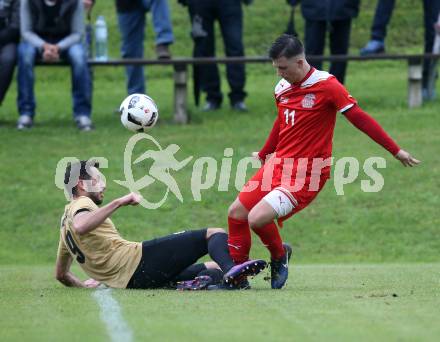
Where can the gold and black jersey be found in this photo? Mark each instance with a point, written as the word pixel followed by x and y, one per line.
pixel 102 253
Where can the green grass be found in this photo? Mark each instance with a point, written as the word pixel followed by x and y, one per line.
pixel 396 224
pixel 322 302
pixel 352 252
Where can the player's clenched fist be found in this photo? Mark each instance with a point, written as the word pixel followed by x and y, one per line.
pixel 91 283
pixel 130 199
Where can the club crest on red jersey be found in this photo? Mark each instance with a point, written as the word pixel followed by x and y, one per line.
pixel 308 101
pixel 284 99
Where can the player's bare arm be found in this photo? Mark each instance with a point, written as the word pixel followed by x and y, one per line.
pixel 85 222
pixel 66 277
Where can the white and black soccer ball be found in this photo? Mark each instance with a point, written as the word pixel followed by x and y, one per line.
pixel 138 112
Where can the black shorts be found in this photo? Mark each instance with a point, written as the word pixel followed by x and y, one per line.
pixel 163 259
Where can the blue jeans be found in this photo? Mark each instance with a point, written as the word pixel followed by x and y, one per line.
pixel 382 16
pixel 81 85
pixel 229 14
pixel 132 27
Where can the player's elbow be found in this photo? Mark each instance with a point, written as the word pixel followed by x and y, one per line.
pixel 80 229
pixel 60 276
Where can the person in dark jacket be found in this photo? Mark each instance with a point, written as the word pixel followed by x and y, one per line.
pixel 53 30
pixel 9 36
pixel 334 16
pixel 382 16
pixel 229 14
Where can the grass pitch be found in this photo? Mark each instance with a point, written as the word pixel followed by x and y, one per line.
pixel 366 265
pixel 398 225
pixel 365 302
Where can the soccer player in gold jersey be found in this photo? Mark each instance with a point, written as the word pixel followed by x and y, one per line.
pixel 88 235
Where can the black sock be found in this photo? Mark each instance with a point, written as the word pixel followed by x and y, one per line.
pixel 219 251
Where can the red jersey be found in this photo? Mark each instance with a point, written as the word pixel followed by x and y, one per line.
pixel 302 132
pixel 307 115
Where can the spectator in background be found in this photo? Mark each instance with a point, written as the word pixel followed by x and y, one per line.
pixel 88 6
pixel 382 16
pixel 229 14
pixel 335 17
pixel 88 37
pixel 52 30
pixel 9 36
pixel 131 19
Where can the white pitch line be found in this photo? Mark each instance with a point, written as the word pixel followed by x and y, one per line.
pixel 111 315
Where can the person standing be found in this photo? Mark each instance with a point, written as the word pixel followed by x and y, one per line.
pixel 229 14
pixel 382 16
pixel 333 16
pixel 9 36
pixel 131 19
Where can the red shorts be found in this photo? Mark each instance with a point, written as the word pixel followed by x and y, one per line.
pixel 251 194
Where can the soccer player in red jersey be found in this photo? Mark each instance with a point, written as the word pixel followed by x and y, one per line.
pixel 297 154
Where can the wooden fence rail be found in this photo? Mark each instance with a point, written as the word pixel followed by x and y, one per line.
pixel 180 65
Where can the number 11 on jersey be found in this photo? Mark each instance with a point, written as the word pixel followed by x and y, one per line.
pixel 289 114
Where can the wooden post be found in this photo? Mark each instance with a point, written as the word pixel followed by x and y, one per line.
pixel 415 83
pixel 180 94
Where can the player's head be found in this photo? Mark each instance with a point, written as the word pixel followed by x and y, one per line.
pixel 84 179
pixel 287 54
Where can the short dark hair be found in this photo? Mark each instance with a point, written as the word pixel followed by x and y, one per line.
pixel 286 46
pixel 83 174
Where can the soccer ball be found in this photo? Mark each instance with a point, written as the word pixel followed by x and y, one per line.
pixel 138 112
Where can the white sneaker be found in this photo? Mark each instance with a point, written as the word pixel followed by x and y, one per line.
pixel 84 123
pixel 25 122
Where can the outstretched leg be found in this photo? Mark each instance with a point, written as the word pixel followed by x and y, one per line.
pixel 278 203
pixel 261 221
pixel 163 259
pixel 239 241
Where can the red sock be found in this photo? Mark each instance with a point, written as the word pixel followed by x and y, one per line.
pixel 270 236
pixel 239 240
